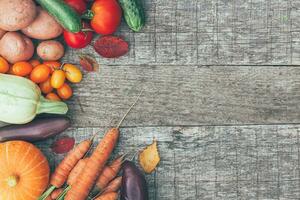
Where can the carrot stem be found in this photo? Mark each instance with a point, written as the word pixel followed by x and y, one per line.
pixel 47 193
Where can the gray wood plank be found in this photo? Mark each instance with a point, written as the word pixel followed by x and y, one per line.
pixel 176 95
pixel 207 162
pixel 217 32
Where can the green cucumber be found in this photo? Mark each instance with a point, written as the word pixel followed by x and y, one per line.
pixel 63 13
pixel 134 14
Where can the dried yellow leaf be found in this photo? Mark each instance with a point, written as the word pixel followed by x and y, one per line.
pixel 149 157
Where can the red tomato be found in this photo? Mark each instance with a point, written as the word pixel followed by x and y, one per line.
pixel 78 5
pixel 80 39
pixel 107 16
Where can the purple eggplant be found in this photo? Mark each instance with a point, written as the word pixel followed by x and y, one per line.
pixel 134 185
pixel 38 129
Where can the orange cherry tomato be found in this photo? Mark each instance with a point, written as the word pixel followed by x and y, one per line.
pixel 52 96
pixel 65 92
pixel 4 65
pixel 40 73
pixel 53 65
pixel 46 86
pixel 58 78
pixel 34 62
pixel 22 68
pixel 73 74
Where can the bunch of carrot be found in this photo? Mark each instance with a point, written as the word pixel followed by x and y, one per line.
pixel 81 173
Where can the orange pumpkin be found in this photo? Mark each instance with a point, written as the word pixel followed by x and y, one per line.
pixel 24 171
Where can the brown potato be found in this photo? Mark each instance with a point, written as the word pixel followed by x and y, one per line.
pixel 16 14
pixel 44 26
pixel 16 47
pixel 50 50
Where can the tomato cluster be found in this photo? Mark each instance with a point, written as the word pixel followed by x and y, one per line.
pixel 49 75
pixel 105 18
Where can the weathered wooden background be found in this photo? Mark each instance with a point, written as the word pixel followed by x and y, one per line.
pixel 221 83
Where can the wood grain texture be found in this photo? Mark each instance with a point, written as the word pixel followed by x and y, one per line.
pixel 175 95
pixel 200 62
pixel 216 32
pixel 213 162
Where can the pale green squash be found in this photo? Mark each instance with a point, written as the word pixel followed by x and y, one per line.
pixel 21 101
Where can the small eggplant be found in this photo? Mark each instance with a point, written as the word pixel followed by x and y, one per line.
pixel 38 129
pixel 134 185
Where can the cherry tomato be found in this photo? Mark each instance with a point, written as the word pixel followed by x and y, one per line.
pixel 80 39
pixel 53 65
pixel 52 96
pixel 107 16
pixel 22 68
pixel 65 92
pixel 40 73
pixel 46 86
pixel 34 62
pixel 58 78
pixel 78 5
pixel 73 74
pixel 4 65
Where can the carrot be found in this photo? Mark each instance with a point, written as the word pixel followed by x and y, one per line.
pixel 76 171
pixel 108 196
pixel 113 186
pixel 73 176
pixel 48 198
pixel 97 160
pixel 109 173
pixel 63 170
pixel 56 193
pixel 80 190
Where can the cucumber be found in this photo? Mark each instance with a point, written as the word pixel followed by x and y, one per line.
pixel 63 13
pixel 134 14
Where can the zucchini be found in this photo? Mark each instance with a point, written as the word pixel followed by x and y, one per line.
pixel 63 13
pixel 134 14
pixel 21 101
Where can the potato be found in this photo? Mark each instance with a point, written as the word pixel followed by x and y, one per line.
pixel 16 47
pixel 50 50
pixel 44 26
pixel 16 14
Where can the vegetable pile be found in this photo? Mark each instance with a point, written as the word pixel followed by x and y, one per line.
pixel 33 34
pixel 83 174
pixel 34 80
pixel 50 76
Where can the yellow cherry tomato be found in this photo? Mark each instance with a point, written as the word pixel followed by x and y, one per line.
pixel 54 65
pixel 65 92
pixel 46 86
pixel 73 74
pixel 58 78
pixel 4 65
pixel 52 96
